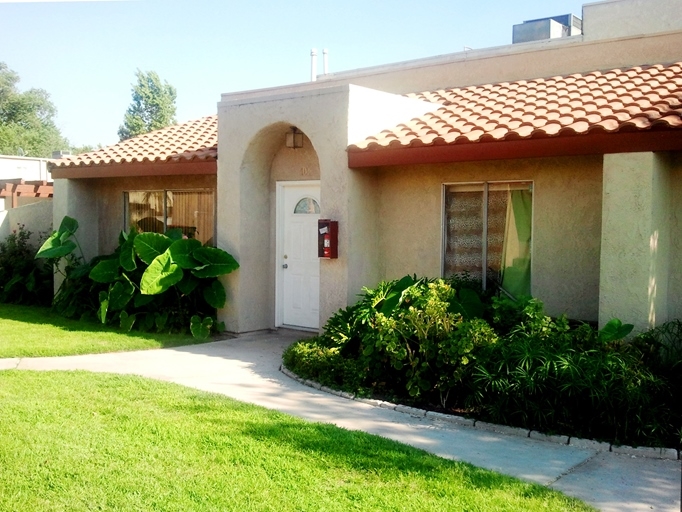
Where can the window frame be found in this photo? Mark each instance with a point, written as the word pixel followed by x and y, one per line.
pixel 484 234
pixel 126 206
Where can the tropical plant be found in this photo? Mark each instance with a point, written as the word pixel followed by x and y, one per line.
pixel 411 336
pixel 152 280
pixel 427 342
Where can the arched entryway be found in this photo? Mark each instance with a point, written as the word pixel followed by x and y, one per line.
pixel 271 203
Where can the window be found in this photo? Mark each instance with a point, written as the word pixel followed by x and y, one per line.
pixel 192 211
pixel 307 205
pixel 488 228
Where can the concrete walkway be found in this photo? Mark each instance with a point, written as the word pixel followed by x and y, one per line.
pixel 247 368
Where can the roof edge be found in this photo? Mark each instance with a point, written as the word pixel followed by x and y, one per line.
pixel 575 145
pixel 127 170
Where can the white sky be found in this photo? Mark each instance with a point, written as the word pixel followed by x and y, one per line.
pixel 85 53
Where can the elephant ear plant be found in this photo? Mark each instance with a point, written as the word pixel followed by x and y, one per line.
pixel 156 281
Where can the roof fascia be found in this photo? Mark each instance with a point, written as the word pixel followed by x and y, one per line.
pixel 591 144
pixel 133 170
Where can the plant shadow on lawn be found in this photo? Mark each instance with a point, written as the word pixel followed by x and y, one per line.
pixel 374 454
pixel 45 316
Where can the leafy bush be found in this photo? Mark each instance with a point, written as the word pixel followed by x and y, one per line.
pixel 445 344
pixel 310 359
pixel 548 377
pixel 151 281
pixel 410 336
pixel 22 279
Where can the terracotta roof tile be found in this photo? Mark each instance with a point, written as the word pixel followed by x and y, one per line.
pixel 633 99
pixel 193 140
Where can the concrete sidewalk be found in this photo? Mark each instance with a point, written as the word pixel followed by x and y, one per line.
pixel 247 368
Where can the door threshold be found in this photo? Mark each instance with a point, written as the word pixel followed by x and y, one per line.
pixel 299 328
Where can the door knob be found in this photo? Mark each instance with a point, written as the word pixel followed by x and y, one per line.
pixel 285 266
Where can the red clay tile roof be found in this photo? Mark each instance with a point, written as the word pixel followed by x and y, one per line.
pixel 620 100
pixel 193 140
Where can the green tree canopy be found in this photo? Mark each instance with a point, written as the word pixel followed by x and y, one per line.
pixel 153 106
pixel 26 119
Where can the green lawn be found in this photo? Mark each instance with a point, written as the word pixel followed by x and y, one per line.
pixel 27 331
pixel 73 441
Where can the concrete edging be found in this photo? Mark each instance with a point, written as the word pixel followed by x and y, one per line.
pixel 589 444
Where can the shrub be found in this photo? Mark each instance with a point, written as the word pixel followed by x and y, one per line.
pixel 151 281
pixel 310 359
pixel 423 335
pixel 411 336
pixel 431 342
pixel 22 279
pixel 548 377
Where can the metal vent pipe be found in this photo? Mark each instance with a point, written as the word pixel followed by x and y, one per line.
pixel 313 64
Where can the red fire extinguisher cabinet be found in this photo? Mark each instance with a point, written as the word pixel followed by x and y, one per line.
pixel 328 238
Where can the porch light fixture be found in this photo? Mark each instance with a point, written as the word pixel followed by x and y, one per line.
pixel 294 138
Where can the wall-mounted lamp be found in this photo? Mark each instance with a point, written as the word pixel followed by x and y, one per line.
pixel 294 138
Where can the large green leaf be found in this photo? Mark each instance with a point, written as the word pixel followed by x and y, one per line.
pixel 181 252
pixel 150 245
pixel 127 321
pixel 127 256
pixel 467 303
pixel 161 319
pixel 160 275
pixel 147 322
pixel 106 271
pixel 120 294
pixel 214 294
pixel 215 262
pixel 103 307
pixel 188 284
pixel 395 294
pixel 55 247
pixel 614 330
pixel 174 234
pixel 143 300
pixel 201 329
pixel 68 225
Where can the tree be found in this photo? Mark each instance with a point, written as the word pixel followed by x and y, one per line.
pixel 153 106
pixel 26 119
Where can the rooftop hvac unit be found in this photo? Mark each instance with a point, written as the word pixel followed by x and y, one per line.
pixel 547 28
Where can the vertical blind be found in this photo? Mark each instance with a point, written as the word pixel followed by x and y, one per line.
pixel 491 223
pixel 191 211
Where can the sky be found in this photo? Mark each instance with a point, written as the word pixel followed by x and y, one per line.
pixel 85 53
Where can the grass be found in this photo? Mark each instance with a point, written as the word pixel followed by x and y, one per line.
pixel 80 441
pixel 28 331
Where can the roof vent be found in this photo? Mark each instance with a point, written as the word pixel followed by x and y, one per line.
pixel 547 28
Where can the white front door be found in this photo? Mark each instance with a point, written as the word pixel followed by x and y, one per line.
pixel 298 266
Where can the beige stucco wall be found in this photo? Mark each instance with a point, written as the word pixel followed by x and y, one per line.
pixel 635 258
pixel 110 204
pixel 505 63
pixel 618 18
pixel 566 224
pixel 675 263
pixel 35 216
pixel 98 205
pixel 77 199
pixel 251 133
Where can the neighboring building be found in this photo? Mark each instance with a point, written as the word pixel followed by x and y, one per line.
pixel 21 170
pixel 554 166
pixel 25 181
